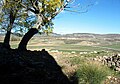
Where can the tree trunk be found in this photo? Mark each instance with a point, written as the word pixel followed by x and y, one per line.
pixel 6 43
pixel 26 38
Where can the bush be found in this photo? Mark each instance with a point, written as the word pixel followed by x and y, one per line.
pixel 92 73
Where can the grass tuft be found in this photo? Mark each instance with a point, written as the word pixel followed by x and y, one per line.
pixel 92 73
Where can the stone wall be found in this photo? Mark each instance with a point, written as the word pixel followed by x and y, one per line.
pixel 113 62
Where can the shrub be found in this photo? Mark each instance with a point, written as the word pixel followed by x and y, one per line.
pixel 92 73
pixel 77 60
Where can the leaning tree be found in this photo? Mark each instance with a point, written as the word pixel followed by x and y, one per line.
pixel 44 11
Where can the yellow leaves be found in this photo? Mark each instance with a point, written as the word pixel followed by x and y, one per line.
pixel 48 30
pixel 52 6
pixel 54 3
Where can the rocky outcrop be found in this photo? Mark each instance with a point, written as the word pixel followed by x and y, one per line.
pixel 29 67
pixel 113 62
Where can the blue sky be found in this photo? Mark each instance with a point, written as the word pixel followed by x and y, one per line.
pixel 102 18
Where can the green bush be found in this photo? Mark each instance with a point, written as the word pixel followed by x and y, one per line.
pixel 92 73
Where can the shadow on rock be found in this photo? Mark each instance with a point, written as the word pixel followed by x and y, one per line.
pixel 30 67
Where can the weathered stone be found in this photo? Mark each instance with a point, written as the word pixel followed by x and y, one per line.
pixel 117 69
pixel 112 61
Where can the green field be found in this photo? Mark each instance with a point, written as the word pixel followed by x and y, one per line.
pixel 51 43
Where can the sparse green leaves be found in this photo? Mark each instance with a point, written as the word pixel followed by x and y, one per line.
pixel 11 14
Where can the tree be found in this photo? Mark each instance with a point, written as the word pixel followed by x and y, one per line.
pixel 9 14
pixel 13 16
pixel 44 11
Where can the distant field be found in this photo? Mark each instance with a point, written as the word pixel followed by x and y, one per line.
pixel 68 45
pixel 55 45
pixel 60 45
pixel 114 46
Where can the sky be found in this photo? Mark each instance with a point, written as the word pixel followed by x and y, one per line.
pixel 102 18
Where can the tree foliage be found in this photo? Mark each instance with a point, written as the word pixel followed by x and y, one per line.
pixel 12 15
pixel 42 10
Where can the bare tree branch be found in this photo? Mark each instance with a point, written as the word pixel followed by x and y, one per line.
pixel 76 11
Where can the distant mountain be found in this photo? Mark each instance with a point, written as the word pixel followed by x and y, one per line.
pixel 108 37
pixel 88 35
